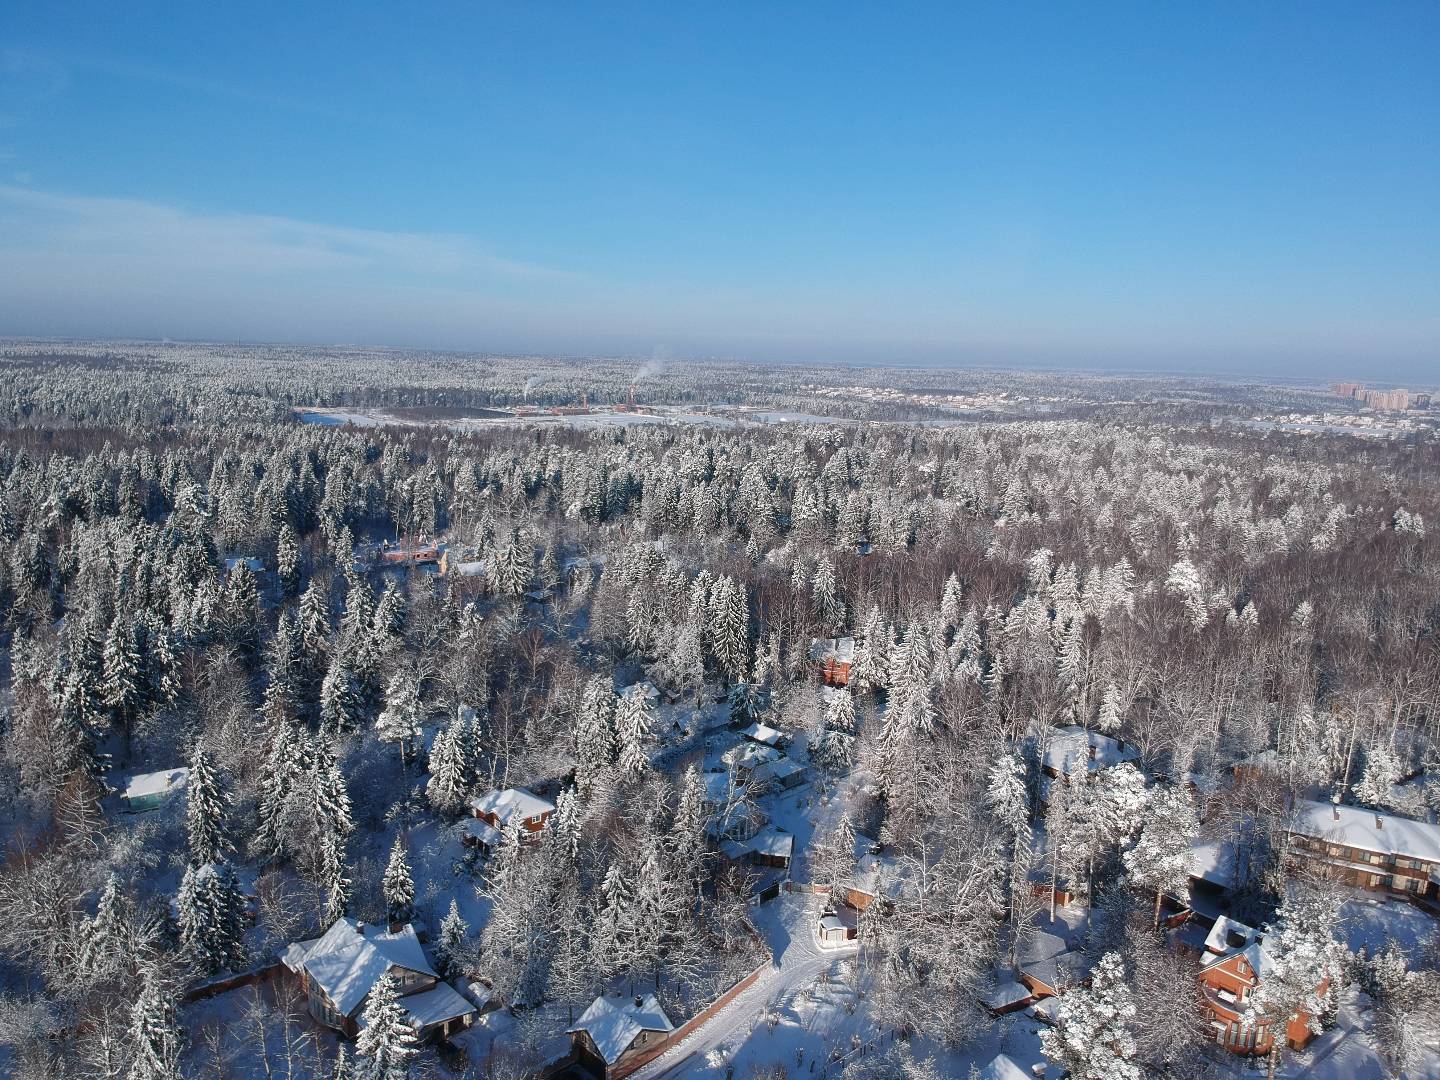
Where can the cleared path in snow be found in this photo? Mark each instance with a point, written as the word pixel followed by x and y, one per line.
pixel 786 926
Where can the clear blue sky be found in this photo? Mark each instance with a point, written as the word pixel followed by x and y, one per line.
pixel 1248 186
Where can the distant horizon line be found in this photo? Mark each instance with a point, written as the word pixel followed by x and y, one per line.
pixel 1054 367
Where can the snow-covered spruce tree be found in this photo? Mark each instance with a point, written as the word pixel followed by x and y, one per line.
pixel 632 725
pixel 834 747
pixel 386 1044
pixel 211 917
pixel 825 600
pixel 340 701
pixel 1382 773
pixel 450 946
pixel 397 887
pixel 1091 1039
pixel 334 874
pixel 450 779
pixel 206 806
pixel 1160 859
pixel 399 722
pixel 287 561
pixel 154 1032
pixel 730 628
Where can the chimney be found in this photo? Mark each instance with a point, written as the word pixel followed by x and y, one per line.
pixel 1335 805
pixel 1379 822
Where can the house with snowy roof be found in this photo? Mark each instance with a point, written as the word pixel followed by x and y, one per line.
pixel 832 658
pixel 770 846
pixel 494 811
pixel 1073 749
pixel 1368 849
pixel 338 970
pixel 1234 964
pixel 148 791
pixel 1004 1067
pixel 618 1034
pixel 1048 966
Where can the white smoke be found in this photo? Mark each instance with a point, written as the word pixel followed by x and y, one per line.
pixel 656 365
pixel 530 384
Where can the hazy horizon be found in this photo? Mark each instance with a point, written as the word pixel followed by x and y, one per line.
pixel 1226 191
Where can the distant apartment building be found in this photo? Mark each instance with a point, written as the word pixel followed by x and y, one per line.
pixel 1388 400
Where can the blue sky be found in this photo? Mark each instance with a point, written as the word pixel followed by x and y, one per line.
pixel 1232 187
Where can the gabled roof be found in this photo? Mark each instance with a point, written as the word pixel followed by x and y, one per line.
pixel 512 801
pixel 763 733
pixel 1003 1067
pixel 613 1022
pixel 1352 826
pixel 349 958
pixel 1229 939
pixel 434 1006
pixel 1074 746
pixel 155 783
pixel 841 650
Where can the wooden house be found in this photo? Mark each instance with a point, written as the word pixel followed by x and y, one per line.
pixel 617 1034
pixel 337 971
pixel 494 811
pixel 149 791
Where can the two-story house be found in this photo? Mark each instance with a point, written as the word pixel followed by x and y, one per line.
pixel 1375 851
pixel 1234 964
pixel 494 811
pixel 338 970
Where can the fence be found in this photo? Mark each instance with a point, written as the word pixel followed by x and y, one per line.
pixel 692 1025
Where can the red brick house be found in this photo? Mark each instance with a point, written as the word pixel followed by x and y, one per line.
pixel 1234 964
pixel 832 658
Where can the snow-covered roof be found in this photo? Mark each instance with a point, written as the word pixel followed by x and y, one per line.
pixel 877 875
pixel 751 755
pixel 1229 937
pixel 763 733
pixel 473 568
pixel 644 689
pixel 482 832
pixel 349 958
pixel 1368 830
pixel 1213 861
pixel 841 650
pixel 253 565
pixel 780 770
pixel 770 841
pixel 1008 992
pixel 1004 1067
pixel 512 801
pixel 720 787
pixel 155 783
pixel 832 922
pixel 613 1022
pixel 1047 958
pixel 1229 934
pixel 1071 746
pixel 436 1005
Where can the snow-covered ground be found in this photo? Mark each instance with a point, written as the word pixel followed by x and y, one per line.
pixel 806 992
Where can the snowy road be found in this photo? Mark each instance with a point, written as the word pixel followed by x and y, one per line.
pixel 786 925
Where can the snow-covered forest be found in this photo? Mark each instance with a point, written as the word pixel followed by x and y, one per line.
pixel 999 731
